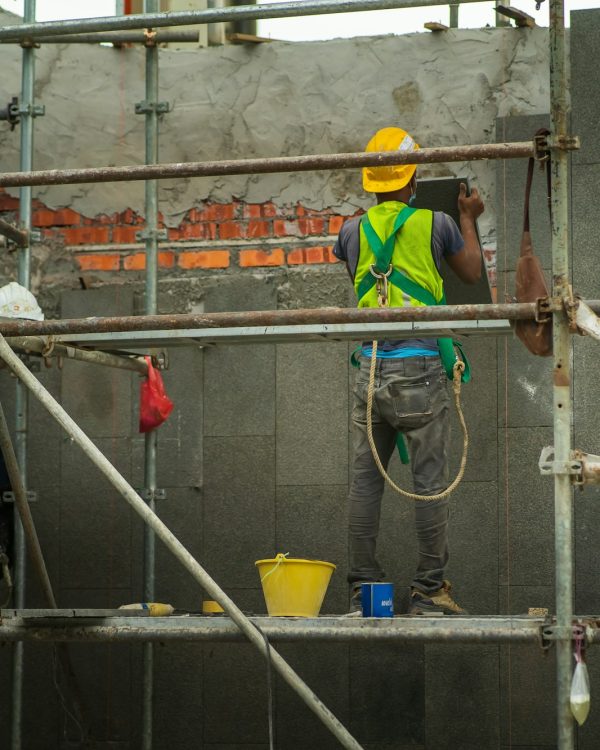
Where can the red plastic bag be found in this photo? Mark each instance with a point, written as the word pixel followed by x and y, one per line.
pixel 155 405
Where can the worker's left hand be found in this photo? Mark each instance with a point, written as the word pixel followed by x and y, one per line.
pixel 471 205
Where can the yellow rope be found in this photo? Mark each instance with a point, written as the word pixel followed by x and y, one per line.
pixel 456 383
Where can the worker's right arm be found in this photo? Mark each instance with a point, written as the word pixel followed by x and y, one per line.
pixel 466 264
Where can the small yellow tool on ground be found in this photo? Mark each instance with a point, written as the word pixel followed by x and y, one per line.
pixel 210 607
pixel 154 609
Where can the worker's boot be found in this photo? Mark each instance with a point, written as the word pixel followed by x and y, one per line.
pixel 355 608
pixel 440 602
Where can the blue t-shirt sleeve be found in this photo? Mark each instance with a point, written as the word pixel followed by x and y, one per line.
pixel 446 238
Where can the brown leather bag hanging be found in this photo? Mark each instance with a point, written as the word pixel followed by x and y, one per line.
pixel 530 279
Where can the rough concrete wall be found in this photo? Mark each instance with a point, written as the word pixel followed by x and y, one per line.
pixel 271 100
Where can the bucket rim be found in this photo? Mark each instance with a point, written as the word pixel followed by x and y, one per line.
pixel 283 561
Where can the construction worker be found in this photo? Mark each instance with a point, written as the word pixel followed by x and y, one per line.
pixel 410 389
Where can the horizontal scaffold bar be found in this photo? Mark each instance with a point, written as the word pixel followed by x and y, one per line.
pixel 212 15
pixel 264 318
pixel 490 629
pixel 144 340
pixel 48 347
pixel 120 37
pixel 20 238
pixel 267 165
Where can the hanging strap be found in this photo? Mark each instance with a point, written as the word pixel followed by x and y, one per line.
pixel 530 166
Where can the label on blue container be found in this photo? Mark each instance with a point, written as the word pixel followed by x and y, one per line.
pixel 377 599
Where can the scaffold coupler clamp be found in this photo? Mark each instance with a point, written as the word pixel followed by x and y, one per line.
pixel 583 468
pixel 580 633
pixel 382 284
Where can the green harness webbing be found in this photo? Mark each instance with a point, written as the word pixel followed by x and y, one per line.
pixel 383 252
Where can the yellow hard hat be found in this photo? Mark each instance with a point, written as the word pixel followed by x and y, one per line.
pixel 386 179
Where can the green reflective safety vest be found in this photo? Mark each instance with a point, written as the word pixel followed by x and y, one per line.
pixel 409 253
pixel 414 278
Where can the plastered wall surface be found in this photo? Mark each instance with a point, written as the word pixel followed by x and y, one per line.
pixel 272 100
pixel 256 456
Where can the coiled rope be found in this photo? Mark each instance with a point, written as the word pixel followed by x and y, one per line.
pixel 456 384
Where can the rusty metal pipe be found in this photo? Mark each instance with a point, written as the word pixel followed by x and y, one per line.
pixel 49 348
pixel 116 37
pixel 268 165
pixel 323 315
pixel 21 239
pixel 282 630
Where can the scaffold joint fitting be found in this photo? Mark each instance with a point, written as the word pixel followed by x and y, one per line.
pixel 148 495
pixel 151 234
pixel 9 497
pixel 145 107
pixel 564 142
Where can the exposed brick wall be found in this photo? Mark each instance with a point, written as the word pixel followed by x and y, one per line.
pixel 212 236
pixel 209 236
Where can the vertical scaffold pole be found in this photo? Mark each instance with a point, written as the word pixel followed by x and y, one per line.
pixel 21 395
pixel 563 493
pixel 150 449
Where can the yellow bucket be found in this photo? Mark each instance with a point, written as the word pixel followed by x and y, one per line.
pixel 293 587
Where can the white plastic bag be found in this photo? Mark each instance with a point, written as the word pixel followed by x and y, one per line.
pixel 580 693
pixel 18 302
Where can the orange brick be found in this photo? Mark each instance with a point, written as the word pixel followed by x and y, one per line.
pixel 311 226
pixel 269 210
pixel 335 224
pixel 252 211
pixel 329 256
pixel 284 228
pixel 86 235
pixel 166 259
pixel 43 218
pixel 230 230
pixel 295 257
pixel 137 261
pixel 66 217
pixel 216 212
pixel 315 255
pixel 99 262
pixel 258 229
pixel 123 235
pixel 250 258
pixel 129 216
pixel 7 202
pixel 204 259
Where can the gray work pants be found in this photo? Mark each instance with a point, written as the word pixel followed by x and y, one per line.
pixel 411 397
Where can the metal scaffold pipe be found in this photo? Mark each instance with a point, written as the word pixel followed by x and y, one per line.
pixel 324 629
pixel 268 165
pixel 49 348
pixel 21 239
pixel 562 376
pixel 212 15
pixel 267 318
pixel 117 37
pixel 151 108
pixel 176 547
pixel 27 112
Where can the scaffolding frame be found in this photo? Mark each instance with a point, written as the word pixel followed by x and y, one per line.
pixel 561 306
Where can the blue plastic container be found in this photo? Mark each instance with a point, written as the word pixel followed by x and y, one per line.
pixel 377 599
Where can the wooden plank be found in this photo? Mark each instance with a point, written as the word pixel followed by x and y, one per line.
pixel 435 26
pixel 236 38
pixel 521 18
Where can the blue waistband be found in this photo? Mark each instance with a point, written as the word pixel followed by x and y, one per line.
pixel 402 353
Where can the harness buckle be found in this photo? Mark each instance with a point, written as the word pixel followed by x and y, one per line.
pixel 382 284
